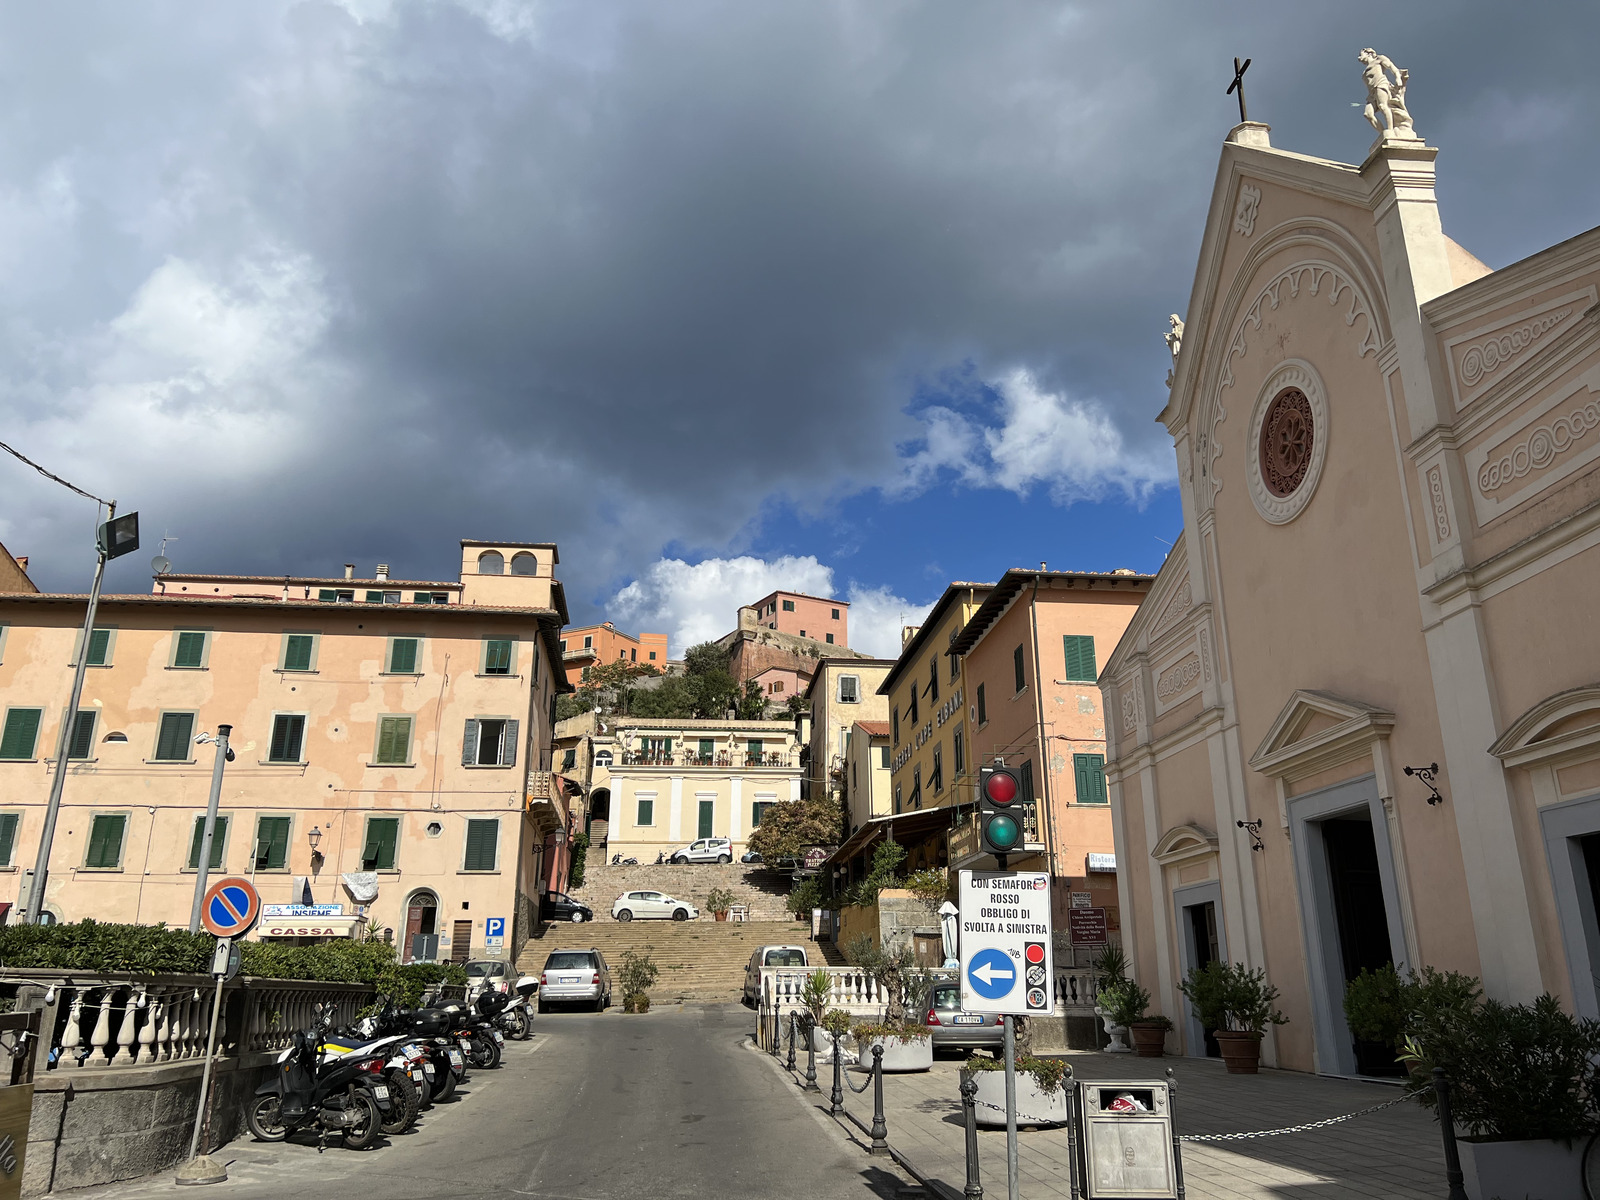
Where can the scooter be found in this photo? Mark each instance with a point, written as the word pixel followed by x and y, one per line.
pixel 618 861
pixel 406 1066
pixel 347 1095
pixel 507 1010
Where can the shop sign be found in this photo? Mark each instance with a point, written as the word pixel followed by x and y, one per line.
pixel 302 910
pixel 949 708
pixel 1088 926
pixel 1082 900
pixel 1102 862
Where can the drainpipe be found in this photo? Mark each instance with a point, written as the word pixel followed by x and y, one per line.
pixel 1046 816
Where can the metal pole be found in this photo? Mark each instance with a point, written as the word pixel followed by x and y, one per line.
pixel 1011 1108
pixel 880 1127
pixel 69 721
pixel 1447 1126
pixel 201 1168
pixel 1070 1083
pixel 836 1097
pixel 790 1063
pixel 969 1112
pixel 211 825
pixel 1177 1146
pixel 811 1056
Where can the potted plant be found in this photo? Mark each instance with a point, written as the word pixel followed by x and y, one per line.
pixel 1112 966
pixel 815 993
pixel 719 901
pixel 906 1045
pixel 1041 1094
pixel 1236 1004
pixel 637 975
pixel 1128 1004
pixel 1523 1085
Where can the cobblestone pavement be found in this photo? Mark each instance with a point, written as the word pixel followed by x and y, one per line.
pixel 1394 1154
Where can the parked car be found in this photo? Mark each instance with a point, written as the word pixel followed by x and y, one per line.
pixel 718 850
pixel 751 856
pixel 950 1028
pixel 770 956
pixel 652 904
pixel 575 977
pixel 490 973
pixel 557 906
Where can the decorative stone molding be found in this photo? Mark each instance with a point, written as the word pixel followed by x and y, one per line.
pixel 1280 496
pixel 1441 513
pixel 1205 655
pixel 1288 755
pixel 1315 278
pixel 1548 732
pixel 1177 678
pixel 1183 842
pixel 1540 447
pixel 1480 358
pixel 1244 212
pixel 1174 609
pixel 1487 357
pixel 1130 710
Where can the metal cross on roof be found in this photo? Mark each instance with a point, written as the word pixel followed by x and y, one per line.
pixel 1238 86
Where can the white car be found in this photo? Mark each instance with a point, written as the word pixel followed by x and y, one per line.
pixel 706 850
pixel 770 956
pixel 652 904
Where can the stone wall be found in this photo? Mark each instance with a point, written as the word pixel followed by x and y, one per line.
pixel 902 914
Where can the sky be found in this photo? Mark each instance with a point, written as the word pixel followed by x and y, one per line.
pixel 720 295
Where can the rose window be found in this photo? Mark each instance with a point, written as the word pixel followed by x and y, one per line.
pixel 1287 436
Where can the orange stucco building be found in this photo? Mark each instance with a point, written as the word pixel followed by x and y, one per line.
pixel 588 646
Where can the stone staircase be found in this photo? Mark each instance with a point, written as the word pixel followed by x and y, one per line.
pixel 762 890
pixel 701 960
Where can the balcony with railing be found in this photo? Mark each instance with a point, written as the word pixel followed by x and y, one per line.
pixel 727 760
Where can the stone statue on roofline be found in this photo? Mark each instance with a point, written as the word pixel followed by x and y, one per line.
pixel 1386 95
pixel 1174 336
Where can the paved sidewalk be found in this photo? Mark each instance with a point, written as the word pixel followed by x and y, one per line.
pixel 1392 1154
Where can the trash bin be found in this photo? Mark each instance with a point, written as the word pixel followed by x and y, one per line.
pixel 1127 1141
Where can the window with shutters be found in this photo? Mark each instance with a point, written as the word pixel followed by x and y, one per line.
pixel 897 798
pixel 1079 654
pixel 288 738
pixel 497 656
pixel 936 776
pixel 430 598
pixel 894 726
pixel 983 709
pixel 849 689
pixel 490 742
pixel 883 760
pixel 830 639
pixel 403 656
pixel 569 759
pixel 588 642
pixel 483 845
pixel 383 597
pixel 299 652
pixel 104 852
pixel 21 733
pixel 189 647
pixel 1018 670
pixel 646 814
pixel 8 838
pixel 788 606
pixel 272 843
pixel 958 752
pixel 82 745
pixel 174 738
pixel 219 841
pixel 836 614
pixel 100 644
pixel 915 798
pixel 911 708
pixel 394 742
pixel 933 680
pixel 378 846
pixel 337 595
pixel 1089 774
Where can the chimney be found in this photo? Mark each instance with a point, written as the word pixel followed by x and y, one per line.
pixel 23 563
pixel 349 570
pixel 383 571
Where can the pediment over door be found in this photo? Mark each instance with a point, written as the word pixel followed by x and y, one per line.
pixel 1563 726
pixel 1183 842
pixel 1318 730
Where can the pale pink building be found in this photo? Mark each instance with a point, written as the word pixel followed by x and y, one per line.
pixel 799 615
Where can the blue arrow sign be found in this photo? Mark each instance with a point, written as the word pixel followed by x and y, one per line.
pixel 992 974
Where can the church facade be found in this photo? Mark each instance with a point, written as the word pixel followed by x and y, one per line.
pixel 1389 458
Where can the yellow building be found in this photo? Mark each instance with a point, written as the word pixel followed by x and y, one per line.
pixel 392 742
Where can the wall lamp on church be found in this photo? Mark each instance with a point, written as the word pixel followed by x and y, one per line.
pixel 1428 775
pixel 1253 828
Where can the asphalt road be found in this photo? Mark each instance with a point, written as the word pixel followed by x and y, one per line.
pixel 671 1103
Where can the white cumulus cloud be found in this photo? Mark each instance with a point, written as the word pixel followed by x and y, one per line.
pixel 697 602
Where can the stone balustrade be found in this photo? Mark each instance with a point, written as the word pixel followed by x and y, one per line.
pixel 850 988
pixel 1078 988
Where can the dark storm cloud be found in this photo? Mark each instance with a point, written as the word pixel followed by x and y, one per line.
pixel 308 282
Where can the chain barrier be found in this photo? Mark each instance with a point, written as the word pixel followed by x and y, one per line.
pixel 1255 1133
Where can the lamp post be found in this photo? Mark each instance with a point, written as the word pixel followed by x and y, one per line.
pixel 203 867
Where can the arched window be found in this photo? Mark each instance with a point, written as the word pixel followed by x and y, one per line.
pixel 524 564
pixel 491 562
pixel 602 758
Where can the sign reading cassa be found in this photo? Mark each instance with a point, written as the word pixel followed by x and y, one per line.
pixel 297 927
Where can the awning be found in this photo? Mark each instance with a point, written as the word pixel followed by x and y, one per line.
pixel 287 927
pixel 899 826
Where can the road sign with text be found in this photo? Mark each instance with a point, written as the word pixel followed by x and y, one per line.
pixel 1006 965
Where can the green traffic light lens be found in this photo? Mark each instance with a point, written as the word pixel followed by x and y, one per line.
pixel 1002 832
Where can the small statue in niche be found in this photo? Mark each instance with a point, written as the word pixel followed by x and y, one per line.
pixel 1386 94
pixel 1174 336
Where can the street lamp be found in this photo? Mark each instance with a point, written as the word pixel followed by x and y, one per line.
pixel 225 755
pixel 314 836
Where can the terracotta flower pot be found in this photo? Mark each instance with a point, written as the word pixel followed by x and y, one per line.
pixel 721 916
pixel 1241 1052
pixel 1149 1039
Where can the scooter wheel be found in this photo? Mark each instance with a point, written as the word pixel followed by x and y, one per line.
pixel 265 1118
pixel 364 1134
pixel 521 1025
pixel 402 1102
pixel 446 1086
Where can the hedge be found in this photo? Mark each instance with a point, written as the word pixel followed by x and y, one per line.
pixel 156 950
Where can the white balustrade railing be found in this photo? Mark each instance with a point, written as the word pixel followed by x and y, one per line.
pixel 1078 987
pixel 95 1021
pixel 849 988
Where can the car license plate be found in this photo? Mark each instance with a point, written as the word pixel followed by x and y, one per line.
pixel 455 1058
pixel 381 1092
pixel 966 1020
pixel 499 1038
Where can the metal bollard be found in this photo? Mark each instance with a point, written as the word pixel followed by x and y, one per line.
pixel 1177 1146
pixel 836 1097
pixel 811 1057
pixel 969 1107
pixel 1452 1156
pixel 880 1128
pixel 1070 1084
pixel 791 1042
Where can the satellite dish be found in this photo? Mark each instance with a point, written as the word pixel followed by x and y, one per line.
pixel 161 564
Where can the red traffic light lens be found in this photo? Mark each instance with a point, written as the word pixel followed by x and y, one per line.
pixel 1000 788
pixel 1035 952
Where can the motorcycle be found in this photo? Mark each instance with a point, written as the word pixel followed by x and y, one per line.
pixel 506 1010
pixel 408 1069
pixel 618 861
pixel 347 1094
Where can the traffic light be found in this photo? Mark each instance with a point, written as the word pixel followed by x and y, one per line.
pixel 999 811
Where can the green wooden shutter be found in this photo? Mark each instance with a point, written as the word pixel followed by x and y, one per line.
pixel 394 739
pixel 297 652
pixel 83 735
pixel 983 711
pixel 497 656
pixel 1078 653
pixel 21 733
pixel 508 744
pixel 1082 788
pixel 708 747
pixel 1018 669
pixel 190 651
pixel 708 810
pixel 328 594
pixel 105 841
pixel 172 744
pixel 272 843
pixel 647 813
pixel 288 733
pixel 99 644
pixel 382 835
pixel 218 841
pixel 8 837
pixel 483 840
pixel 403 656
pixel 1097 778
pixel 469 742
